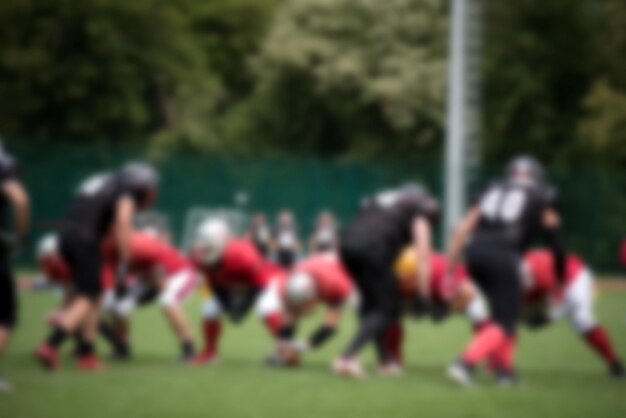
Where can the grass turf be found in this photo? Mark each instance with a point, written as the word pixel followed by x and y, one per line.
pixel 561 376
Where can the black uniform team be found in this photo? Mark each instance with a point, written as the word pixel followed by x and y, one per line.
pixel 493 235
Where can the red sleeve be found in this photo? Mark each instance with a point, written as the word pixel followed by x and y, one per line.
pixel 144 249
pixel 246 259
pixel 107 276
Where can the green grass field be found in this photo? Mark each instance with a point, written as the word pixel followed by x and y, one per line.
pixel 561 377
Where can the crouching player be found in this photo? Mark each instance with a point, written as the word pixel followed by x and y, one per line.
pixel 154 265
pixel 318 279
pixel 545 301
pixel 237 274
pixel 442 298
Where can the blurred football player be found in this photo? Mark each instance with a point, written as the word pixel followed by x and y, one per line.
pixel 317 279
pixel 288 246
pixel 506 217
pixel 13 195
pixel 155 265
pixel 546 301
pixel 237 274
pixel 444 297
pixel 368 247
pixel 260 234
pixel 104 204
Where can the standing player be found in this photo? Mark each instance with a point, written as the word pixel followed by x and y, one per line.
pixel 318 279
pixel 506 217
pixel 237 274
pixel 574 300
pixel 13 193
pixel 368 247
pixel 156 265
pixel 105 203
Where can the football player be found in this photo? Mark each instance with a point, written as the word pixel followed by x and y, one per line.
pixel 444 297
pixel 237 274
pixel 155 265
pixel 317 279
pixel 13 195
pixel 368 247
pixel 55 270
pixel 104 204
pixel 506 217
pixel 546 301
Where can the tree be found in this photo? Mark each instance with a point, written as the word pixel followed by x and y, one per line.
pixel 342 77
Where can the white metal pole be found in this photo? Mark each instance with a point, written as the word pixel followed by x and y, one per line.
pixel 454 167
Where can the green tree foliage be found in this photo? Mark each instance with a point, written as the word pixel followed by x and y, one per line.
pixel 350 77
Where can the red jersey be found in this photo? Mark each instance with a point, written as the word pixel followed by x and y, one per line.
pixel 332 282
pixel 541 276
pixel 148 253
pixel 438 266
pixel 55 269
pixel 241 265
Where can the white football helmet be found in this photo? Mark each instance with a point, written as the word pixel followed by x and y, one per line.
pixel 299 289
pixel 48 245
pixel 211 239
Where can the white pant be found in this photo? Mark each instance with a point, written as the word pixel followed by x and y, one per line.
pixel 577 303
pixel 477 310
pixel 178 288
pixel 268 302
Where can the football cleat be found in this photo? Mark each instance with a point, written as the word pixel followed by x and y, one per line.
pixel 348 368
pixel 205 358
pixel 506 379
pixel 461 373
pixel 90 363
pixel 48 357
pixel 390 369
pixel 616 371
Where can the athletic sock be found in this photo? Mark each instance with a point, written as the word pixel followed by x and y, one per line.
pixel 57 336
pixel 211 329
pixel 393 341
pixel 479 326
pixel 503 359
pixel 187 349
pixel 274 323
pixel 600 342
pixel 483 344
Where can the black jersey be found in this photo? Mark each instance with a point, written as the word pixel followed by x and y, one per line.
pixel 511 211
pixel 93 210
pixel 8 171
pixel 387 218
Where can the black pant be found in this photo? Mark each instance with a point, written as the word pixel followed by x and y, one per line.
pixel 83 254
pixel 236 302
pixel 8 295
pixel 496 269
pixel 370 266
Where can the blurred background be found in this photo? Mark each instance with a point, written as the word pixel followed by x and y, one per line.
pixel 260 105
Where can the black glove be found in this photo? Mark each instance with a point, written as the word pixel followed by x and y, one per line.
pixel 419 307
pixel 439 311
pixel 537 320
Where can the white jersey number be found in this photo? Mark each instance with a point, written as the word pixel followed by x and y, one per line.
pixel 503 205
